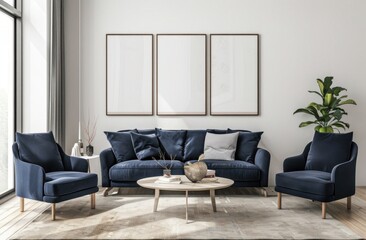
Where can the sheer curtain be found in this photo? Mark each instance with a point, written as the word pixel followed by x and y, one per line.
pixel 56 81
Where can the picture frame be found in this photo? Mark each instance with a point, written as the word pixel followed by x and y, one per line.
pixel 181 83
pixel 234 78
pixel 129 75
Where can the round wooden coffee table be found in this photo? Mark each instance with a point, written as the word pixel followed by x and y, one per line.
pixel 185 186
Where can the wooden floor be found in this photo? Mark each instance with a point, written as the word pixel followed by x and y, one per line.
pixel 11 220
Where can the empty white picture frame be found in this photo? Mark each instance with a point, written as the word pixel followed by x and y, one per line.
pixel 234 74
pixel 181 74
pixel 129 80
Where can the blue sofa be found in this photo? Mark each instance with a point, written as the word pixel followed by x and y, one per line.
pixel 250 169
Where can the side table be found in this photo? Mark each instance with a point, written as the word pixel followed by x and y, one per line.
pixel 88 158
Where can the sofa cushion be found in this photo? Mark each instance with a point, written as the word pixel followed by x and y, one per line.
pixel 236 170
pixel 145 146
pixel 220 146
pixel 194 144
pixel 40 149
pixel 66 182
pixel 134 170
pixel 328 150
pixel 309 181
pixel 247 146
pixel 121 144
pixel 172 143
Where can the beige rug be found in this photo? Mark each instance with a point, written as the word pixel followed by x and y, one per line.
pixel 237 217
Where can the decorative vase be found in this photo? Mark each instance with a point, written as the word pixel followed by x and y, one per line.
pixel 89 150
pixel 167 173
pixel 195 172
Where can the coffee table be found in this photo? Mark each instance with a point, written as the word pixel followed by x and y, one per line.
pixel 185 186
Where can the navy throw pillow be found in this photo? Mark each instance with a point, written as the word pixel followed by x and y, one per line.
pixel 121 144
pixel 217 131
pixel 236 130
pixel 147 131
pixel 172 143
pixel 40 149
pixel 246 147
pixel 194 144
pixel 146 146
pixel 328 150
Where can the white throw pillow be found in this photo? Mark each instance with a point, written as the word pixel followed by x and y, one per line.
pixel 220 146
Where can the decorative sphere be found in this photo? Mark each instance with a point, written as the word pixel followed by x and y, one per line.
pixel 195 172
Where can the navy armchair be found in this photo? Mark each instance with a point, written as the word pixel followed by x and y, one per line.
pixel 43 172
pixel 324 172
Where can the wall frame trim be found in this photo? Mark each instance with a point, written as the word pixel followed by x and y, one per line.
pixel 157 75
pixel 152 75
pixel 257 113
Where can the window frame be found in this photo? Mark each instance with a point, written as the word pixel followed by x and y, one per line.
pixel 16 13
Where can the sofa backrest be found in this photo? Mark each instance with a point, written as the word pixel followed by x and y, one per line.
pixel 185 145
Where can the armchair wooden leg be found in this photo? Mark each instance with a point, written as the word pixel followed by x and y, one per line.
pixel 21 204
pixel 324 210
pixel 53 211
pixel 279 200
pixel 106 191
pixel 92 198
pixel 349 202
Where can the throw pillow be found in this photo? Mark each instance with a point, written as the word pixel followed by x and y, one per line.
pixel 172 143
pixel 40 149
pixel 146 146
pixel 147 131
pixel 236 130
pixel 328 150
pixel 220 146
pixel 247 146
pixel 194 144
pixel 121 144
pixel 217 131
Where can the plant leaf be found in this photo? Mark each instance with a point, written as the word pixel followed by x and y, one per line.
pixel 304 124
pixel 337 90
pixel 344 123
pixel 303 110
pixel 328 98
pixel 336 124
pixel 316 93
pixel 321 86
pixel 337 115
pixel 317 128
pixel 348 101
pixel 327 83
pixel 313 111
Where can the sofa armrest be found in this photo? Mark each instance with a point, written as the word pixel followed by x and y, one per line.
pixel 262 160
pixel 29 178
pixel 344 175
pixel 79 164
pixel 107 160
pixel 296 163
pixel 72 163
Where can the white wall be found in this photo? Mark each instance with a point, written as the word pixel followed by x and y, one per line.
pixel 299 42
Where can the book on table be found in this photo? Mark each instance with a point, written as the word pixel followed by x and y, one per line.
pixel 171 179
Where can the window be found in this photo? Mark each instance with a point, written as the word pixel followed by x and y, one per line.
pixel 8 69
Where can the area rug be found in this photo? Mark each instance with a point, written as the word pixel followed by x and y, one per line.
pixel 237 217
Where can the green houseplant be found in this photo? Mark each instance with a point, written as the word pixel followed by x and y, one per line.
pixel 329 112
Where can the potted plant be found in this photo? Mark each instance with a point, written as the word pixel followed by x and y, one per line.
pixel 328 113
